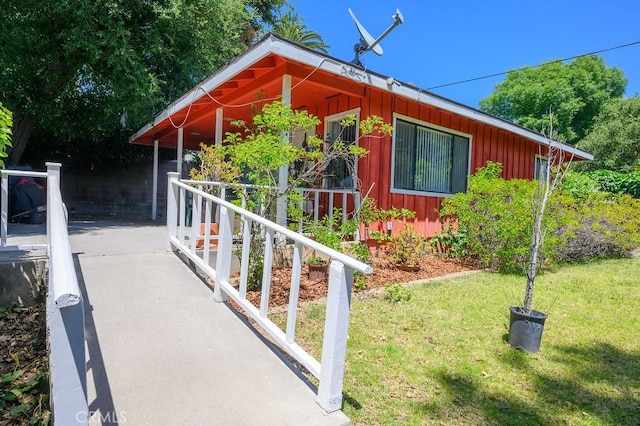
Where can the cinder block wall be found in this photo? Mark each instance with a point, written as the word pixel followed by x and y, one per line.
pixel 117 191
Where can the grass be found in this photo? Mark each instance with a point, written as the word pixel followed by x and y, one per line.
pixel 441 356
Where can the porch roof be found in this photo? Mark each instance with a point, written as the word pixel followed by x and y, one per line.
pixel 255 78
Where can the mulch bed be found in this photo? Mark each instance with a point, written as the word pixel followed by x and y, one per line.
pixel 384 273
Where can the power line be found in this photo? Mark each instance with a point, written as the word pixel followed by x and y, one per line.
pixel 533 66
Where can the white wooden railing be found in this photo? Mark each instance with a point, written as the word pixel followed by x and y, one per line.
pixel 316 202
pixel 65 307
pixel 330 368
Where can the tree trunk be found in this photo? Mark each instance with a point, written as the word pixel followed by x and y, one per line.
pixel 21 131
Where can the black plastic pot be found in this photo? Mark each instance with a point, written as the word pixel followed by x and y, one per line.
pixel 525 329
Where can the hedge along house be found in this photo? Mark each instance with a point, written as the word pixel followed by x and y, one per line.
pixel 435 145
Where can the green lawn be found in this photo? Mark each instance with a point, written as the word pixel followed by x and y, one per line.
pixel 442 358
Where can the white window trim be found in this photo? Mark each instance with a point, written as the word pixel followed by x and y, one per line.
pixel 336 117
pixel 395 190
pixel 535 161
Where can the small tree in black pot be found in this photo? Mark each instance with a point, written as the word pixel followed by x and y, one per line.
pixel 526 324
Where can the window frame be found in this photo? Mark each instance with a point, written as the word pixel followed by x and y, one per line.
pixel 540 159
pixel 337 117
pixel 434 127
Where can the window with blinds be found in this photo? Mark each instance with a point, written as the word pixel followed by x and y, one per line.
pixel 429 160
pixel 340 171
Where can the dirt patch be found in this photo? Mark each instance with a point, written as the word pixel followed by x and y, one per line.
pixel 24 369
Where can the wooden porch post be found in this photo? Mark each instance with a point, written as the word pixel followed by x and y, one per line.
pixel 154 190
pixel 219 118
pixel 179 151
pixel 283 175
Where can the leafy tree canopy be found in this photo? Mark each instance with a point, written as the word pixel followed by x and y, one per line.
pixel 291 26
pixel 575 92
pixel 83 69
pixel 614 139
pixel 5 133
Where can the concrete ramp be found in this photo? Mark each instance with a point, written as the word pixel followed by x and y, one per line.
pixel 161 351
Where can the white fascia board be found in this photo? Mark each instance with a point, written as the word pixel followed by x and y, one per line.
pixel 141 132
pixel 381 82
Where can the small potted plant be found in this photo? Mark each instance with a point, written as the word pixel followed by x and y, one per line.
pixel 323 232
pixel 408 249
pixel 317 267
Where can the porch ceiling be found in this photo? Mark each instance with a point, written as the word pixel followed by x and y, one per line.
pixel 239 96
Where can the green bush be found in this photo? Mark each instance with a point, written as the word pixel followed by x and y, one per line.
pixel 496 215
pixel 603 225
pixel 580 185
pixel 617 183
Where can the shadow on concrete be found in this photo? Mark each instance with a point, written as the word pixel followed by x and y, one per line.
pixel 296 368
pixel 102 405
pixel 79 226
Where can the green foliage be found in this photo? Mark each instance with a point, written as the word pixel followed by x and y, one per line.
pixel 70 69
pixel 408 247
pixel 5 132
pixel 617 183
pixel 360 251
pixel 369 213
pixel 579 185
pixel 359 282
pixel 582 223
pixel 291 26
pixel 614 139
pixel 496 215
pixel 575 92
pixel 450 242
pixel 257 152
pixel 602 225
pixel 396 293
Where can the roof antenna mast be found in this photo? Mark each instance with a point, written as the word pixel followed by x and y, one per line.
pixel 367 42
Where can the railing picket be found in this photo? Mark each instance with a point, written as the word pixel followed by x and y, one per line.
pixel 266 273
pixel 294 291
pixel 183 215
pixel 196 202
pixel 5 208
pixel 207 232
pixel 330 207
pixel 225 248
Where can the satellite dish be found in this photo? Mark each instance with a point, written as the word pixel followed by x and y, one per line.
pixel 367 42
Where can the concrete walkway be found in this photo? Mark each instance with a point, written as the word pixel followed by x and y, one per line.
pixel 161 351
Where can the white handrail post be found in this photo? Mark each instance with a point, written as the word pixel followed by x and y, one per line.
pixel 172 209
pixel 5 208
pixel 334 347
pixel 356 210
pixel 53 171
pixel 225 252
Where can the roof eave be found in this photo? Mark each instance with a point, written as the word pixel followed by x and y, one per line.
pixel 278 46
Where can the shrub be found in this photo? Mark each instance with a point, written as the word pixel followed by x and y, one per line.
pixel 580 185
pixel 601 226
pixel 408 247
pixel 617 183
pixel 495 216
pixel 396 293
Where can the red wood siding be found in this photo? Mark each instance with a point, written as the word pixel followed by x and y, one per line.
pixel 488 143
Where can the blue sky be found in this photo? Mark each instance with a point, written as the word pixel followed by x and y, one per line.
pixel 442 42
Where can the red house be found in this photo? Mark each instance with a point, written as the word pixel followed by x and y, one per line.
pixel 435 145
